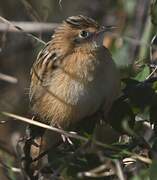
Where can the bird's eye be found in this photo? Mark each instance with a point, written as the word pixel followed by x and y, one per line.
pixel 84 34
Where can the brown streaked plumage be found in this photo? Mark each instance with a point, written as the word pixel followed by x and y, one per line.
pixel 73 77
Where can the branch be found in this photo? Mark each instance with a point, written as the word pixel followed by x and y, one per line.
pixel 8 78
pixel 27 26
pixel 103 170
pixel 19 29
pixel 75 136
pixel 36 123
pixel 120 173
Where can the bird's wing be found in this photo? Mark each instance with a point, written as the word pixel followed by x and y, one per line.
pixel 47 61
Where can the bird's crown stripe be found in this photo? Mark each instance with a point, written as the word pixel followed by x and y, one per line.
pixel 80 20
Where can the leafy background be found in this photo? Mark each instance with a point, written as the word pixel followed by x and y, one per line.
pixel 133 115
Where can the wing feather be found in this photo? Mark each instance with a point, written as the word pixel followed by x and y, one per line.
pixel 48 58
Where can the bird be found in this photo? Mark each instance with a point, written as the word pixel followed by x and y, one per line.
pixel 74 76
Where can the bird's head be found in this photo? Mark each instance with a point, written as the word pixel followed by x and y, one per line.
pixel 80 32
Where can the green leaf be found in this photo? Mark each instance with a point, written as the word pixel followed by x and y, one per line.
pixel 143 74
pixel 155 86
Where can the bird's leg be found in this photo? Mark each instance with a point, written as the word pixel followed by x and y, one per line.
pixel 64 137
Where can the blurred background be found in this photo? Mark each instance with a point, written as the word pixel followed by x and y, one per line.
pixel 129 45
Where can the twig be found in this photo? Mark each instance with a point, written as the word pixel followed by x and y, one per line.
pixel 34 15
pixel 75 136
pixel 19 29
pixel 60 4
pixel 36 123
pixel 100 171
pixel 151 74
pixel 12 168
pixel 142 159
pixel 119 170
pixel 8 78
pixel 28 26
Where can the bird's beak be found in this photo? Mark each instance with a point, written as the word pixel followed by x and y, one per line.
pixel 99 36
pixel 107 28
